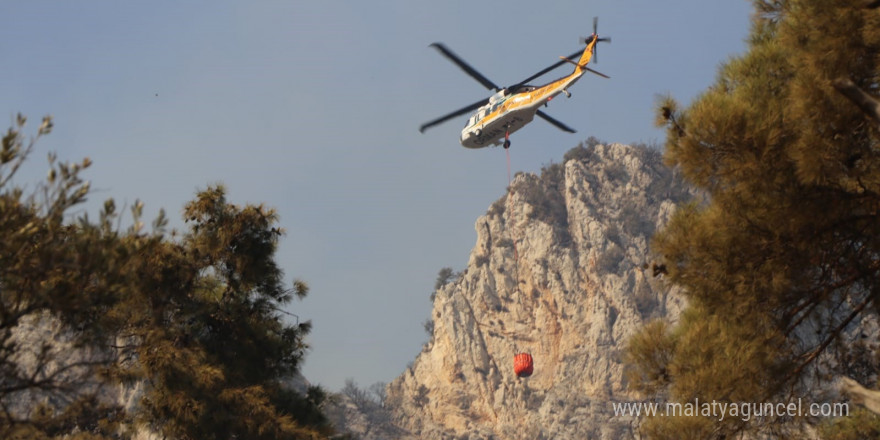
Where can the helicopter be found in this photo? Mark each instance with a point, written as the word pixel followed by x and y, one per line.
pixel 512 107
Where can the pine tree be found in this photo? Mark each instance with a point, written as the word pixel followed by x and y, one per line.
pixel 197 320
pixel 214 344
pixel 782 256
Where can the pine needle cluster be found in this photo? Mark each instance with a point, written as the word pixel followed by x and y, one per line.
pixel 782 260
pixel 195 322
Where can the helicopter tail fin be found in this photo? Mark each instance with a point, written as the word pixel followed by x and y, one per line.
pixel 581 65
pixel 585 58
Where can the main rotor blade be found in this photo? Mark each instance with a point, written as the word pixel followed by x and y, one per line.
pixel 486 82
pixel 542 72
pixel 597 73
pixel 558 124
pixel 449 116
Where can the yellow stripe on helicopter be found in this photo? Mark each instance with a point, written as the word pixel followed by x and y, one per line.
pixel 514 106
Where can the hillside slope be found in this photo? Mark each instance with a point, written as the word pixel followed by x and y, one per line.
pixel 561 269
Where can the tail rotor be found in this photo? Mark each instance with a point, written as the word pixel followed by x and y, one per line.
pixel 587 40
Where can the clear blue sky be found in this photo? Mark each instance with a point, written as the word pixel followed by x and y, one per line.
pixel 313 107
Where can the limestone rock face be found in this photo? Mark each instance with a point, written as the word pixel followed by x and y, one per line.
pixel 561 269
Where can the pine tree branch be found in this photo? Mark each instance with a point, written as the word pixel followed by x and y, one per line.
pixel 859 97
pixel 811 356
pixel 816 298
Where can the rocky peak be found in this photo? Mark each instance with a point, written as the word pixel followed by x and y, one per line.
pixel 559 271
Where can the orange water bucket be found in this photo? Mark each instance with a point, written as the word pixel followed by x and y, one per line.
pixel 523 365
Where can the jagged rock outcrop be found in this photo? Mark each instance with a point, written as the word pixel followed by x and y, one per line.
pixel 561 269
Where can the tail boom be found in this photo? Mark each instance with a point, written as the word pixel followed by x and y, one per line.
pixel 581 67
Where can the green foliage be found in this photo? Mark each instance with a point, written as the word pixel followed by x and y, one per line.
pixel 504 242
pixel 783 257
pixel 497 207
pixel 444 277
pixel 545 195
pixel 648 355
pixel 542 194
pixel 421 398
pixel 860 424
pixel 610 260
pixel 634 221
pixel 198 321
pixel 428 325
pixel 228 347
pixel 583 152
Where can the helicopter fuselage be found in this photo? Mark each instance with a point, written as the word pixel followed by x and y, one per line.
pixel 512 107
pixel 505 114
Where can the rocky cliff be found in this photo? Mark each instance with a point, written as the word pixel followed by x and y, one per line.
pixel 561 269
